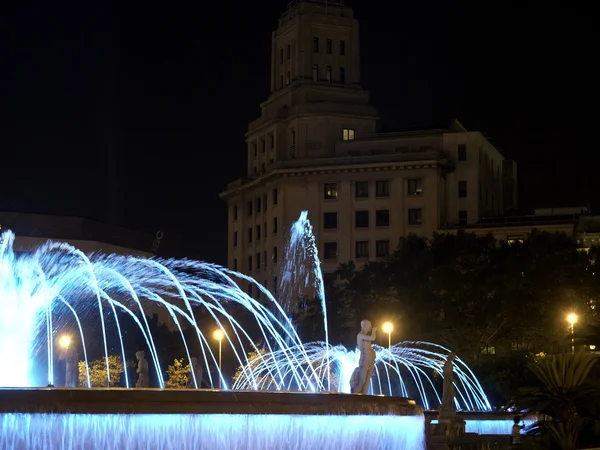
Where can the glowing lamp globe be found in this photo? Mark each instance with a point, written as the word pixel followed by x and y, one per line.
pixel 218 335
pixel 64 341
pixel 387 327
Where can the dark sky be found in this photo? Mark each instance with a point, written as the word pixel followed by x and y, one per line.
pixel 134 113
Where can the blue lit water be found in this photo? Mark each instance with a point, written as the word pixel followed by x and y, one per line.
pixel 492 426
pixel 211 432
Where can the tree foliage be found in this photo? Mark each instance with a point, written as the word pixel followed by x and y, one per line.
pixel 97 370
pixel 469 292
pixel 177 374
pixel 566 397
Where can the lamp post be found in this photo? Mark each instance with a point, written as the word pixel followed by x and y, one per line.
pixel 218 335
pixel 572 318
pixel 65 342
pixel 388 327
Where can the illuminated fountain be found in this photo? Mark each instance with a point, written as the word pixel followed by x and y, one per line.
pixel 58 285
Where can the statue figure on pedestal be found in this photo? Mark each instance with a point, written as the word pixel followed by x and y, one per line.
pixel 447 406
pixel 361 377
pixel 143 380
pixel 196 370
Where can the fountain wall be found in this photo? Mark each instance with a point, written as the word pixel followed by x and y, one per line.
pixel 198 419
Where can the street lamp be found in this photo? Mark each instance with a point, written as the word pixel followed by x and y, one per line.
pixel 572 318
pixel 64 341
pixel 388 327
pixel 218 335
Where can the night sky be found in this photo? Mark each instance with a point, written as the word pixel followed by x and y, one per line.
pixel 134 113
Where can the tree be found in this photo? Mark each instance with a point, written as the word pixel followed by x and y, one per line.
pixel 470 292
pixel 97 370
pixel 261 380
pixel 567 399
pixel 177 374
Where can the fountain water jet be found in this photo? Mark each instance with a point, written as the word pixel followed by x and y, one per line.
pixel 58 284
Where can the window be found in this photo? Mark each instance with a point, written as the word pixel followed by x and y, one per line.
pixel 329 46
pixel 274 285
pixel 280 81
pixel 342 48
pixel 235 239
pixel 342 75
pixel 275 194
pixel 330 250
pixel 382 249
pixel 293 136
pixel 249 208
pixel 330 220
pixel 462 152
pixel 515 239
pixel 250 235
pixel 257 261
pixel 280 56
pixel 235 212
pixel 316 44
pixel 362 249
pixel 382 188
pixel 264 201
pixel 462 189
pixel 382 218
pixel 361 219
pixel 488 350
pixel 414 187
pixel 330 191
pixel 288 78
pixel 265 230
pixel 258 232
pixel 315 72
pixel 519 345
pixel 250 289
pixel 250 263
pixel 263 145
pixel 288 51
pixel 274 225
pixel 328 74
pixel 265 259
pixel 361 189
pixel 415 216
pixel 255 149
pixel 262 167
pixel 348 134
pixel 257 205
pixel 274 254
pixel 271 141
pixel 235 265
pixel 462 217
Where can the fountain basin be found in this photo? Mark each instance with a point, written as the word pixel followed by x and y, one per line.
pixel 191 419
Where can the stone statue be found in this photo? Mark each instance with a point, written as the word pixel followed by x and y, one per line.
pixel 196 369
pixel 361 377
pixel 143 380
pixel 447 406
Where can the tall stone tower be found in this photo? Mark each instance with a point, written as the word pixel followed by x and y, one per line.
pixel 316 95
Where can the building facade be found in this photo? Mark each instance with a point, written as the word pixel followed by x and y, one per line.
pixel 315 147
